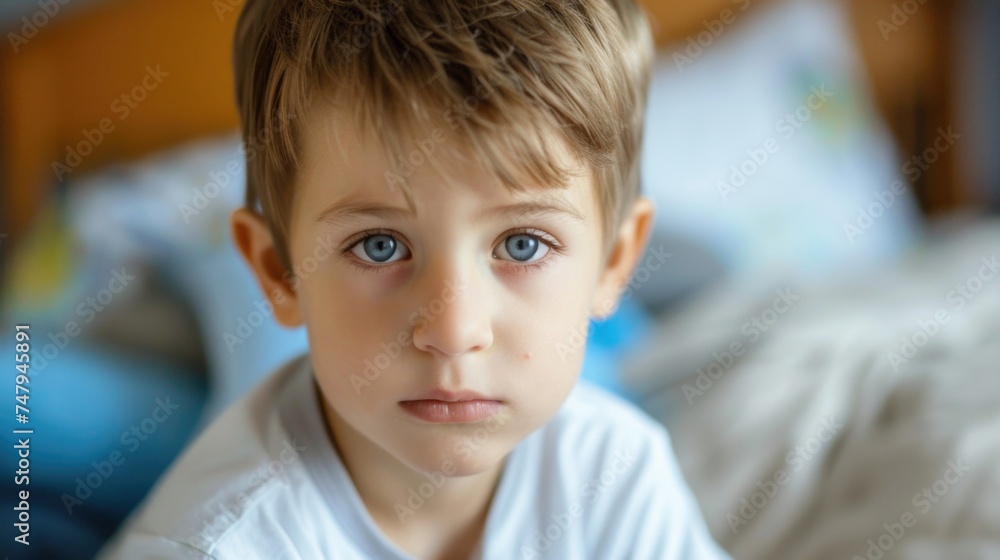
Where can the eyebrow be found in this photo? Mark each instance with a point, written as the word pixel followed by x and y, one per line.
pixel 552 207
pixel 349 211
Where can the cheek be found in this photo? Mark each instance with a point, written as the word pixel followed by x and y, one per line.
pixel 336 313
pixel 353 338
pixel 343 305
pixel 547 337
pixel 552 310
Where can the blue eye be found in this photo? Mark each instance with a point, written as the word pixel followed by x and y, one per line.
pixel 380 248
pixel 522 248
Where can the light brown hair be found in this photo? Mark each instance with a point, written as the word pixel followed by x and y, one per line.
pixel 500 73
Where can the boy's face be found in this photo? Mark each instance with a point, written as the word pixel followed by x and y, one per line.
pixel 447 332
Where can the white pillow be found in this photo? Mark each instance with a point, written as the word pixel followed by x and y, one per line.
pixel 173 209
pixel 714 110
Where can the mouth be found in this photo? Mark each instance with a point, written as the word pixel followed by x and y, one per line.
pixel 450 407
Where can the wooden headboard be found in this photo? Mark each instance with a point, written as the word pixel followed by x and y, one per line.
pixel 151 74
pixel 86 69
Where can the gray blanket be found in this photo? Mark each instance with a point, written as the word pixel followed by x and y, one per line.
pixel 856 419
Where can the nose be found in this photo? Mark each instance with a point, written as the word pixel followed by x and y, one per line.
pixel 455 317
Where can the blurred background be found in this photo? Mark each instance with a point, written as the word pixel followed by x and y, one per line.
pixel 827 179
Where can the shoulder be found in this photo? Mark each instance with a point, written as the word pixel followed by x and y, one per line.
pixel 593 420
pixel 608 470
pixel 600 444
pixel 224 480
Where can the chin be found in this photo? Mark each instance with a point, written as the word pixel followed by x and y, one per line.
pixel 456 455
pixel 477 464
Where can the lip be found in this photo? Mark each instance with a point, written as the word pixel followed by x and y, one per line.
pixel 455 412
pixel 450 396
pixel 441 406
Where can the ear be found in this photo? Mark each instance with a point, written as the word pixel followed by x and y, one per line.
pixel 627 248
pixel 254 241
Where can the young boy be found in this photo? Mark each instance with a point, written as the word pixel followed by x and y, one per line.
pixel 446 192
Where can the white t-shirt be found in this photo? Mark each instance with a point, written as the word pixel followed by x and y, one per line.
pixel 599 481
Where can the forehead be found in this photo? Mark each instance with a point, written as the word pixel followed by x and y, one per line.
pixel 342 158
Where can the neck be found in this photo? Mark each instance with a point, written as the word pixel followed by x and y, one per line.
pixel 456 512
